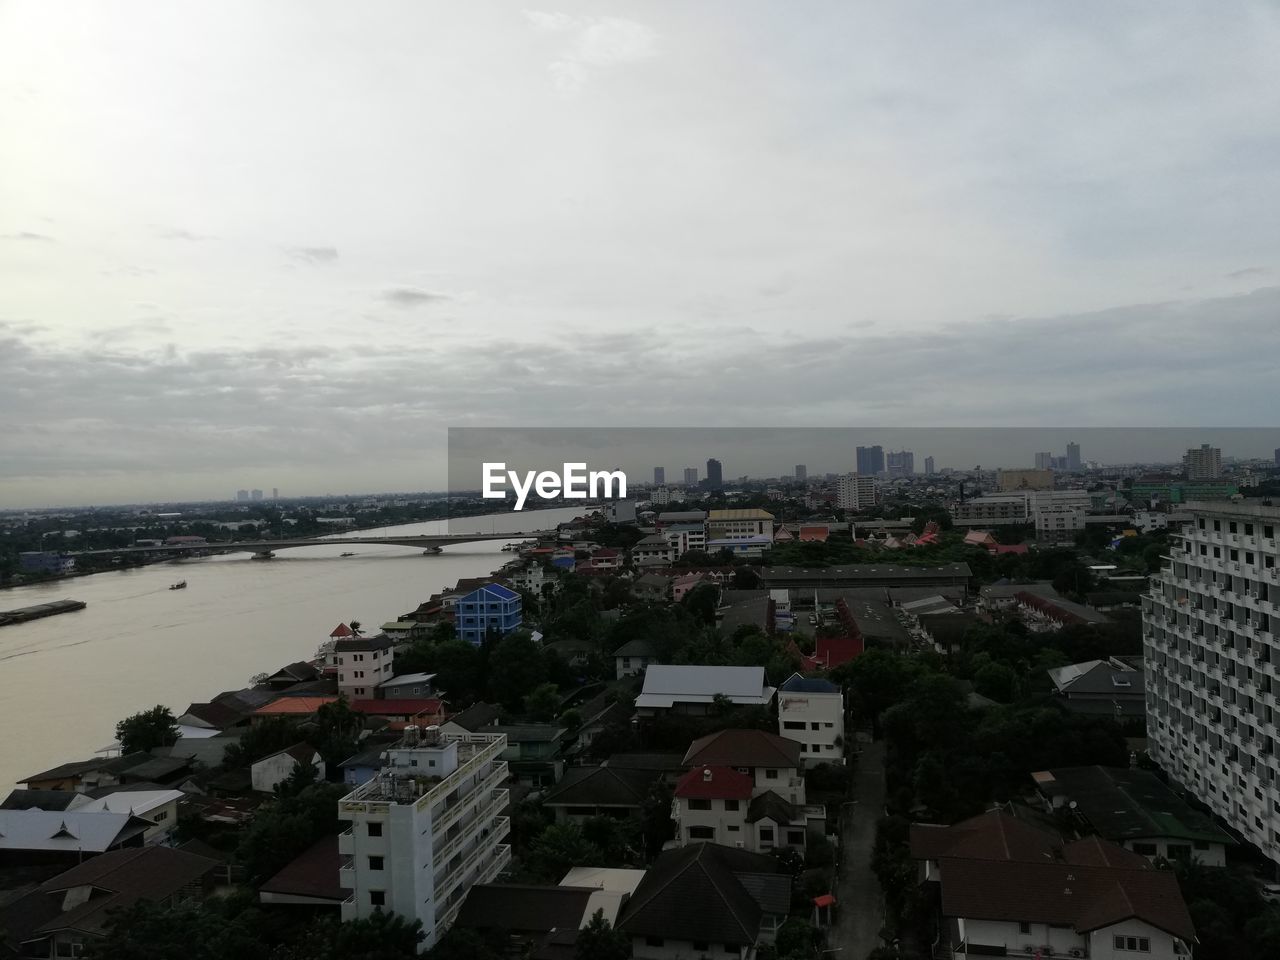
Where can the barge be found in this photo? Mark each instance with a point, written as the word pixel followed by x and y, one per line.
pixel 23 614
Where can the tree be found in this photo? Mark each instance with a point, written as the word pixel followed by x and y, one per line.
pixel 380 936
pixel 701 602
pixel 599 941
pixel 997 681
pixel 286 826
pixel 211 930
pixel 797 938
pixel 559 847
pixel 147 730
pixel 542 702
pixel 463 943
pixel 516 667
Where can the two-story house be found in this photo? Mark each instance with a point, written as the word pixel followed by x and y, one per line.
pixel 1007 888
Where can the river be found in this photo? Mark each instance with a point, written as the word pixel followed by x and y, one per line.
pixel 66 680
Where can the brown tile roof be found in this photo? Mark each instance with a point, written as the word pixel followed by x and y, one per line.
pixel 743 748
pixel 313 873
pixel 994 835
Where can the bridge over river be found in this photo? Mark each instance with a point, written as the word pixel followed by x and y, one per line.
pixel 430 543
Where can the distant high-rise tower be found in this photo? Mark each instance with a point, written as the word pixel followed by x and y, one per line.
pixel 856 492
pixel 928 466
pixel 659 476
pixel 1044 461
pixel 1203 464
pixel 871 460
pixel 715 476
pixel 1278 456
pixel 1073 457
pixel 901 463
pixel 255 494
pixel 802 472
pixel 242 494
pixel 275 493
pixel 690 476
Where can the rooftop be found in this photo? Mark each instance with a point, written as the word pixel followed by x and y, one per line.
pixel 798 684
pixel 714 783
pixel 665 685
pixel 743 748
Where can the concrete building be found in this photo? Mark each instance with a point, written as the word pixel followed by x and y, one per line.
pixel 901 463
pixel 1073 457
pixel 811 712
pixel 426 829
pixel 255 494
pixel 490 608
pixel 684 537
pixel 739 525
pixel 690 476
pixel 715 474
pixel 692 689
pixel 1212 656
pixel 46 561
pixel 659 476
pixel 1009 480
pixel 269 772
pixel 1204 463
pixel 633 657
pixel 1006 509
pixel 660 496
pixel 362 663
pixel 802 473
pixel 929 467
pixel 870 460
pixel 856 491
pixel 1044 461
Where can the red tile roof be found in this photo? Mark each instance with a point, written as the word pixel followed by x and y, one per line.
pixel 342 630
pixel 714 783
pixel 294 706
pixel 405 706
pixel 813 534
pixel 993 835
pixel 831 652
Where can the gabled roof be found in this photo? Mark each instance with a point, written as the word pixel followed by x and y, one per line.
pixel 770 806
pixel 714 783
pixel 994 835
pixel 38 799
pixel 405 706
pixel 494 590
pixel 313 873
pixel 218 716
pixel 342 630
pixel 303 753
pixel 523 908
pixel 65 771
pixel 602 786
pixel 67 831
pixel 293 706
pixel 136 802
pixel 405 678
pixel 743 748
pixel 831 652
pixel 694 893
pixel 476 716
pixel 798 684
pixel 637 648
pixel 364 644
pixel 297 672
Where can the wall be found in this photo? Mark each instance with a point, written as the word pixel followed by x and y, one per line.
pixel 641 949
pixel 720 819
pixel 824 709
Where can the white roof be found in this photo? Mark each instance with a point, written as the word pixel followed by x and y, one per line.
pixel 60 830
pixel 1065 676
pixel 665 684
pixel 613 886
pixel 408 678
pixel 189 732
pixel 137 802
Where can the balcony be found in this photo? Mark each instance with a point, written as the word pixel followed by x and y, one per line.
pixel 452 814
pixel 453 903
pixel 484 817
pixel 346 843
pixel 347 873
pixel 448 879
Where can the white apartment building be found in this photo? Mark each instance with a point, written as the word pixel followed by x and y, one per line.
pixel 1203 464
pixel 811 712
pixel 739 524
pixel 1009 508
pixel 426 829
pixel 855 491
pixel 1210 641
pixel 684 537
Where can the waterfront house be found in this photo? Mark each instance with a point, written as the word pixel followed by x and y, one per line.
pixel 490 610
pixel 29 837
pixel 363 664
pixel 296 708
pixel 158 807
pixel 406 686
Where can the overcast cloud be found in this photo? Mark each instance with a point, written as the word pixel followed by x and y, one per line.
pixel 289 244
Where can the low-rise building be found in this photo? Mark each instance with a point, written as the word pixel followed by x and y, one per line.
pixel 633 657
pixel 746 524
pixel 269 772
pixel 600 791
pixel 706 900
pixel 811 712
pixel 363 663
pixel 772 762
pixel 534 752
pixel 426 829
pixel 407 686
pixel 157 807
pixel 654 550
pixel 488 610
pixel 1007 888
pixel 1111 688
pixel 693 690
pixel 1134 809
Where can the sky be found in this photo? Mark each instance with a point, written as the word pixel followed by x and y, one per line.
pixel 290 244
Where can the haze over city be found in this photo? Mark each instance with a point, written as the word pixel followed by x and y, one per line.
pixel 232 244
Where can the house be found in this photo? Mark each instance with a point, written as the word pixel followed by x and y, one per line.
pixel 489 609
pixel 831 652
pixel 633 657
pixel 477 717
pixel 535 577
pixel 612 886
pixel 946 631
pixel 682 585
pixel 651 586
pixel 1135 809
pixel 1007 888
pixel 533 752
pixel 38 799
pixel 586 792
pixel 296 708
pixel 136 767
pixel 748 524
pixel 158 807
pixel 598 714
pixel 654 550
pixel 693 689
pixel 422 711
pixel 710 804
pixel 293 673
pixel 269 772
pixel 573 651
pixel 70 911
pixel 706 900
pixel 772 762
pixel 309 879
pixel 363 766
pixel 363 663
pixel 65 776
pixel 406 686
pixel 605 558
pixel 539 922
pixel 811 712
pixel 65 836
pixel 1109 687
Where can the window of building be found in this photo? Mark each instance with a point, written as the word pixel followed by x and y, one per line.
pixel 375 863
pixel 733 828
pixel 375 828
pixel 795 838
pixel 731 804
pixel 792 724
pixel 69 948
pixel 653 941
pixel 702 833
pixel 377 898
pixel 771 774
pixel 699 804
pixel 1146 849
pixel 1024 927
pixel 701 946
pixel 815 726
pixel 766 834
pixel 1140 944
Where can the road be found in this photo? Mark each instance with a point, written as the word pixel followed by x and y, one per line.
pixel 859 913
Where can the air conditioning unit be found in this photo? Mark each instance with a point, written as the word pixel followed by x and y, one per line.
pixel 1029 948
pixel 1075 952
pixel 739 844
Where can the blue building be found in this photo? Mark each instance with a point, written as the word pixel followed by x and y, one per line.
pixel 45 561
pixel 492 607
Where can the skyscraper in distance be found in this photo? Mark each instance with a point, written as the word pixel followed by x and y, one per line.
pixel 690 476
pixel 802 472
pixel 1044 461
pixel 1203 464
pixel 715 474
pixel 901 463
pixel 928 466
pixel 1073 457
pixel 659 476
pixel 870 460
